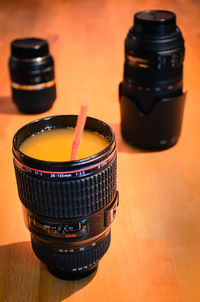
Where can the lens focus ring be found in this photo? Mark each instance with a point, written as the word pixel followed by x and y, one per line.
pixel 67 198
pixel 74 260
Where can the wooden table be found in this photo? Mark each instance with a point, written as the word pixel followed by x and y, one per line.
pixel 155 250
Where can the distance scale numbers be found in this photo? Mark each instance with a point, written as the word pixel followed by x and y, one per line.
pixel 78 269
pixel 168 61
pixel 76 249
pixel 71 250
pixel 67 230
pixel 160 61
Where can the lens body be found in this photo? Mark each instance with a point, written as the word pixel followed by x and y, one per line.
pixel 68 206
pixel 32 75
pixel 151 94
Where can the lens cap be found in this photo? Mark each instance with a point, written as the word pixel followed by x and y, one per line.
pixel 157 22
pixel 29 48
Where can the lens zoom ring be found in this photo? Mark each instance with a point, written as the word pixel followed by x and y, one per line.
pixel 67 198
pixel 70 261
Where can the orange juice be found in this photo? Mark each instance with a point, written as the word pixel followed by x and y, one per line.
pixel 56 144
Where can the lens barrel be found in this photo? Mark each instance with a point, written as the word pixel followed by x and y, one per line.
pixel 68 206
pixel 32 77
pixel 151 94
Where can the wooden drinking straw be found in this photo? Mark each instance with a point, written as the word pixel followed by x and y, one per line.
pixel 80 124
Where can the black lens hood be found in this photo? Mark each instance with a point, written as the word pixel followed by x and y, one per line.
pixel 156 130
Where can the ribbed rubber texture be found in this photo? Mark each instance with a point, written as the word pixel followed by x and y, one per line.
pixel 67 198
pixel 70 261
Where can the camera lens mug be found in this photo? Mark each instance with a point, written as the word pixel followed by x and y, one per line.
pixel 151 94
pixel 32 77
pixel 68 206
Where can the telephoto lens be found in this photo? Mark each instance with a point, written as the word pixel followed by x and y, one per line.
pixel 32 77
pixel 68 206
pixel 151 94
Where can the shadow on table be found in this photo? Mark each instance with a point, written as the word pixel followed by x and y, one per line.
pixel 7 106
pixel 24 278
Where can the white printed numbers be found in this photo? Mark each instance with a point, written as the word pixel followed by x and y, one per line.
pixel 52 175
pixel 47 226
pixel 80 173
pixel 79 268
pixel 38 173
pixel 63 175
pixel 66 250
pixel 103 164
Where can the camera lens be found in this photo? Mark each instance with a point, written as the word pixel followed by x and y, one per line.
pixel 32 75
pixel 68 206
pixel 151 94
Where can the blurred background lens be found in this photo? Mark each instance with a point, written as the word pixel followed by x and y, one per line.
pixel 32 75
pixel 151 94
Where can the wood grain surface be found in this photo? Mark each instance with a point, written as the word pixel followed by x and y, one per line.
pixel 155 250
